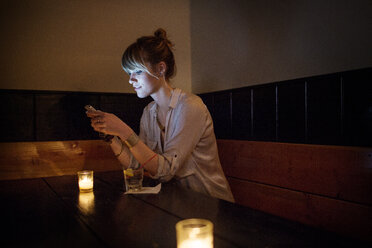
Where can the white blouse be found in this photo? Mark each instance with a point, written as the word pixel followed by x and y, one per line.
pixel 188 152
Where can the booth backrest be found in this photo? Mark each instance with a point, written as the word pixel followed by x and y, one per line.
pixel 19 160
pixel 329 187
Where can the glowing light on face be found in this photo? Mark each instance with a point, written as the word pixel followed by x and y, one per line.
pixel 139 71
pixel 145 83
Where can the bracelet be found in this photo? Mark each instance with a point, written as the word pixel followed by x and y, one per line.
pixel 121 149
pixel 132 140
pixel 149 160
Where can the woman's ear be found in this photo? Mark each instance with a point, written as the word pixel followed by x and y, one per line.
pixel 162 68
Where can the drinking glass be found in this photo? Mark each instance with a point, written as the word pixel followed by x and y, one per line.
pixel 133 179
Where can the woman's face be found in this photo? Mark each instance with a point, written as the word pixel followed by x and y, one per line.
pixel 143 83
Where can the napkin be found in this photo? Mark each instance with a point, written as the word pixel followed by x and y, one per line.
pixel 147 190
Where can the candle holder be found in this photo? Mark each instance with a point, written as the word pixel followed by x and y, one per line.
pixel 85 179
pixel 194 233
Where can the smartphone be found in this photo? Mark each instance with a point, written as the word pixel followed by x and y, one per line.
pixel 89 107
pixel 105 137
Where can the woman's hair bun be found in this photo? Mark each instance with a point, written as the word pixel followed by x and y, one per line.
pixel 160 33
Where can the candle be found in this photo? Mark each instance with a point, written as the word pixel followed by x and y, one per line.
pixel 195 233
pixel 86 183
pixel 196 243
pixel 85 180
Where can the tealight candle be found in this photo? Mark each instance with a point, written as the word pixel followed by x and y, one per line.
pixel 195 233
pixel 85 180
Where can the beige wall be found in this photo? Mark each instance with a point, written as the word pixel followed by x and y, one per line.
pixel 240 43
pixel 76 45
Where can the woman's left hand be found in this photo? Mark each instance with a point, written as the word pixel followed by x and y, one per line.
pixel 108 123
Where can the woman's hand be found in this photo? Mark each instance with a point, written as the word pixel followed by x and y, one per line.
pixel 108 123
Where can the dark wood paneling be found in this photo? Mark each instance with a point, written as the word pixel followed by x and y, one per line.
pixel 118 105
pixel 264 113
pixel 333 109
pixel 135 110
pixel 222 115
pixel 50 115
pixel 338 111
pixel 61 116
pixel 115 103
pixel 16 116
pixel 241 114
pixel 208 100
pixel 358 107
pixel 291 112
pixel 324 110
pixel 346 218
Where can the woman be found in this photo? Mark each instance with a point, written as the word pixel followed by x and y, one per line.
pixel 176 138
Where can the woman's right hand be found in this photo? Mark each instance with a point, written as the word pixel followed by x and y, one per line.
pixel 108 123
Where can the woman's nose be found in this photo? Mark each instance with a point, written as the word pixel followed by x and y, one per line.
pixel 132 78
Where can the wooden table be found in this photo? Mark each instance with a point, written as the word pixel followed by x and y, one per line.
pixel 50 212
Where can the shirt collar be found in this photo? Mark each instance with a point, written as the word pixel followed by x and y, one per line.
pixel 173 101
pixel 174 98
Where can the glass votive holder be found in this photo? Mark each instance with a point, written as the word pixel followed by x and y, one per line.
pixel 85 179
pixel 194 233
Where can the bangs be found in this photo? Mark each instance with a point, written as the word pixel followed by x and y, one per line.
pixel 132 60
